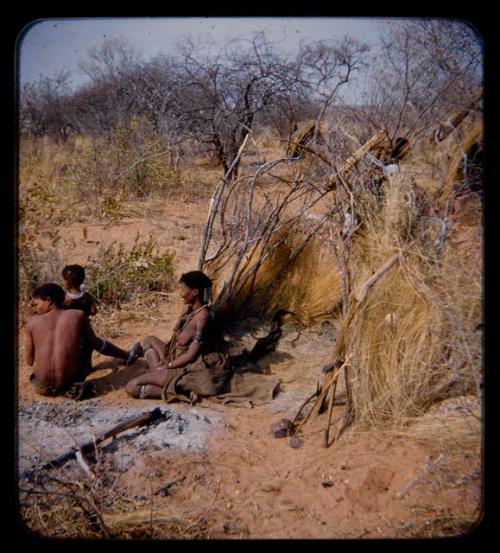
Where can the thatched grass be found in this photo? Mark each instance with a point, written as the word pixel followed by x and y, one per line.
pixel 413 341
pixel 308 285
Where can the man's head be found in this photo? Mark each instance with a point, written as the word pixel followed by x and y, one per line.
pixel 46 296
pixel 74 275
pixel 195 284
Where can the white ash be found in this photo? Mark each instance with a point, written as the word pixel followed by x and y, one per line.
pixel 46 430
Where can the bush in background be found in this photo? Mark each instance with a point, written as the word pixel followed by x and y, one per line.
pixel 118 275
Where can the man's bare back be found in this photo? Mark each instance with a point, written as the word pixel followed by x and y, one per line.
pixel 53 346
pixel 59 343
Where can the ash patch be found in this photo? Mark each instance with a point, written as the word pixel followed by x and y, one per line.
pixel 46 430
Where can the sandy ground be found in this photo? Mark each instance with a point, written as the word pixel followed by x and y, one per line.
pixel 229 477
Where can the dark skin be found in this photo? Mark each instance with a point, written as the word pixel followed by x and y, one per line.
pixel 155 378
pixel 53 343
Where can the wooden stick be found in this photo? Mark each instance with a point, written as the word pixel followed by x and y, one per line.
pixel 322 394
pixel 81 461
pixel 304 404
pixel 145 418
pixel 420 476
pixel 354 159
pixel 330 413
pixel 377 275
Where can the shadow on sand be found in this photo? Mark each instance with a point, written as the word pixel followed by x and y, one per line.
pixel 117 378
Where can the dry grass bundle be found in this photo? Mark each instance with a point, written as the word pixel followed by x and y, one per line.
pixel 307 284
pixel 260 244
pixel 458 431
pixel 395 340
pixel 413 340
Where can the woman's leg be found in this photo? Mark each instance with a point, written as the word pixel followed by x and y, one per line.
pixel 148 385
pixel 154 350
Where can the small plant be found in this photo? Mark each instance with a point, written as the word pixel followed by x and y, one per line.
pixel 119 275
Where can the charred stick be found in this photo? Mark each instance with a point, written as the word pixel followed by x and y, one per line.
pixel 146 418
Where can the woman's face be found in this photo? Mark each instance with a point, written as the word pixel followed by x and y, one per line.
pixel 187 294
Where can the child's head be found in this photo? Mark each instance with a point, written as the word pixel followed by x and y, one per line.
pixel 74 275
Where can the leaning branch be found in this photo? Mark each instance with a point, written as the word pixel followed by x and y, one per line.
pixel 145 418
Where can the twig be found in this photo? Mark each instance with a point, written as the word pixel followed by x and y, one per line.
pixel 331 379
pixel 330 413
pixel 205 515
pixel 214 205
pixel 444 230
pixel 420 476
pixel 312 396
pixel 137 163
pixel 376 276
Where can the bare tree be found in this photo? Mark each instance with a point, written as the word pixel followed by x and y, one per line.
pixel 325 67
pixel 218 97
pixel 425 69
pixel 43 107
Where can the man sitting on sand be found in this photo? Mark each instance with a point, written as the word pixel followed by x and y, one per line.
pixel 59 344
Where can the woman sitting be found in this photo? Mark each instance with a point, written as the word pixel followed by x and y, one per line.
pixel 188 365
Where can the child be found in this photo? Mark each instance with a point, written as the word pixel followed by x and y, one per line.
pixel 76 296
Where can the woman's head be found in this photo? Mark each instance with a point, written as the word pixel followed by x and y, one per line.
pixel 74 275
pixel 195 284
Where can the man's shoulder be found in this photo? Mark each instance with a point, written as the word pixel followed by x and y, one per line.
pixel 30 321
pixel 70 314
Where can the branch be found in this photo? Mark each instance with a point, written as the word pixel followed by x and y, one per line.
pixel 137 163
pixel 214 205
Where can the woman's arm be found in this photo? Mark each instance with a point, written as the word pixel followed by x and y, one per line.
pixel 194 350
pixel 92 308
pixel 185 358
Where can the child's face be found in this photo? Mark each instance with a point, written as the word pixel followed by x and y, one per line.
pixel 69 283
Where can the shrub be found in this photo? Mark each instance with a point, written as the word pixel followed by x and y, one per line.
pixel 119 275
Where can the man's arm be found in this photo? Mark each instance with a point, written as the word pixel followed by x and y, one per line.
pixel 29 346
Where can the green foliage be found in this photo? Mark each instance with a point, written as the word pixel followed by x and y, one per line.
pixel 119 275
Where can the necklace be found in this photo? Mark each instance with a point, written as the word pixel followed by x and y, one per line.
pixel 198 310
pixel 76 296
